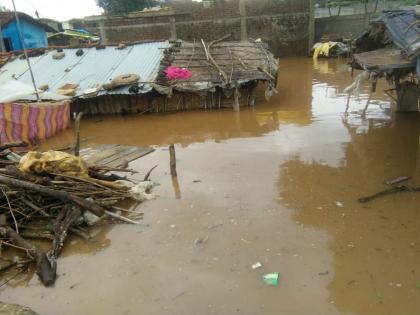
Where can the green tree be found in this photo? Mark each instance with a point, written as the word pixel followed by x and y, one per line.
pixel 124 6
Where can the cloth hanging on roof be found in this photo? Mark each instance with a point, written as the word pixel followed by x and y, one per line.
pixel 32 122
pixel 175 73
pixel 13 90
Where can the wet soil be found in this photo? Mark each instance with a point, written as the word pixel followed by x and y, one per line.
pixel 277 184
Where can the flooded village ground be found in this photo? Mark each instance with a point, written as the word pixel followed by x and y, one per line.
pixel 276 184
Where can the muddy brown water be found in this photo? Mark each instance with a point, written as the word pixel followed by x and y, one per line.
pixel 277 185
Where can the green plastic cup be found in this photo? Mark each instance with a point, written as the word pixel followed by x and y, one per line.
pixel 271 279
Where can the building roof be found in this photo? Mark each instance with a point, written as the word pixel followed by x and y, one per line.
pixel 91 70
pixel 8 16
pixel 384 59
pixel 239 62
pixel 404 29
pixel 392 42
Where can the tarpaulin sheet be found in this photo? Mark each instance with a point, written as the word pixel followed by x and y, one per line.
pixel 32 122
pixel 13 90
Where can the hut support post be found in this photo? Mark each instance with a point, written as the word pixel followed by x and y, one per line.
pixel 172 161
pixel 77 119
pixel 236 105
pixel 252 94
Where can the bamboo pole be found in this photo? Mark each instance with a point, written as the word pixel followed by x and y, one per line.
pixel 77 119
pixel 172 161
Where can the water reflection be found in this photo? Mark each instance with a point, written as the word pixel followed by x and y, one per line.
pixel 330 152
pixel 376 247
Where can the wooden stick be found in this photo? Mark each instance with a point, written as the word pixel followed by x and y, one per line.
pixel 80 233
pixel 267 73
pixel 97 182
pixel 236 105
pixel 63 222
pixel 149 172
pixel 45 271
pixel 223 74
pixel 8 266
pixel 120 217
pixel 59 194
pixel 393 190
pixel 20 144
pixel 10 209
pixel 172 161
pixel 77 119
pixel 205 49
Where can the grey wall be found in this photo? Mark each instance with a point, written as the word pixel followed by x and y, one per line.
pixel 343 25
pixel 283 24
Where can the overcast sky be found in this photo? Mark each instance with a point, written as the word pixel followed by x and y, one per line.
pixel 61 10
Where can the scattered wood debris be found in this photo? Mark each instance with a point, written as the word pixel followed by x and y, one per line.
pixel 47 196
pixel 390 191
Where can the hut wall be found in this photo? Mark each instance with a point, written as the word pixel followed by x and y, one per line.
pixel 156 103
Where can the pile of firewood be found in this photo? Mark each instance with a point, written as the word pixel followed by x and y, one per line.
pixel 49 207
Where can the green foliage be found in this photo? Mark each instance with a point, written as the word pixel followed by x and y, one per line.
pixel 124 6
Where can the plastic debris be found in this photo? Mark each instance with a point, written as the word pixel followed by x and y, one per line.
pixel 200 241
pixel 256 265
pixel 339 204
pixel 58 55
pixel 90 219
pixel 330 49
pixel 53 162
pixel 141 191
pixel 271 279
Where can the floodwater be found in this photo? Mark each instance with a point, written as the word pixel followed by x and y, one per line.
pixel 278 185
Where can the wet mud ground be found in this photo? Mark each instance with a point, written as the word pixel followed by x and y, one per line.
pixel 276 184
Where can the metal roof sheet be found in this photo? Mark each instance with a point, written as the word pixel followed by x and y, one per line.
pixel 94 68
pixel 404 27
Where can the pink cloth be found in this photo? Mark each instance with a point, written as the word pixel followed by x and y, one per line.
pixel 173 73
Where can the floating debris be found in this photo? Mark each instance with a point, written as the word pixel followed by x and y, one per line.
pixel 339 204
pixel 257 265
pixel 271 279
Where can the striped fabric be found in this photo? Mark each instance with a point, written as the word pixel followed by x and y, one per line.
pixel 32 122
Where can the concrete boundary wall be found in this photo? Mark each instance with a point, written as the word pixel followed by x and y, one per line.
pixel 346 25
pixel 284 24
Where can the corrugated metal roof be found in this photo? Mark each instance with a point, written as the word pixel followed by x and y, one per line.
pixel 404 28
pixel 94 68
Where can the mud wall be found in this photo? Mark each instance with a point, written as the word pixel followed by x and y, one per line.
pixel 284 24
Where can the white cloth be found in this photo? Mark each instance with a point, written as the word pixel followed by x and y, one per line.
pixel 14 90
